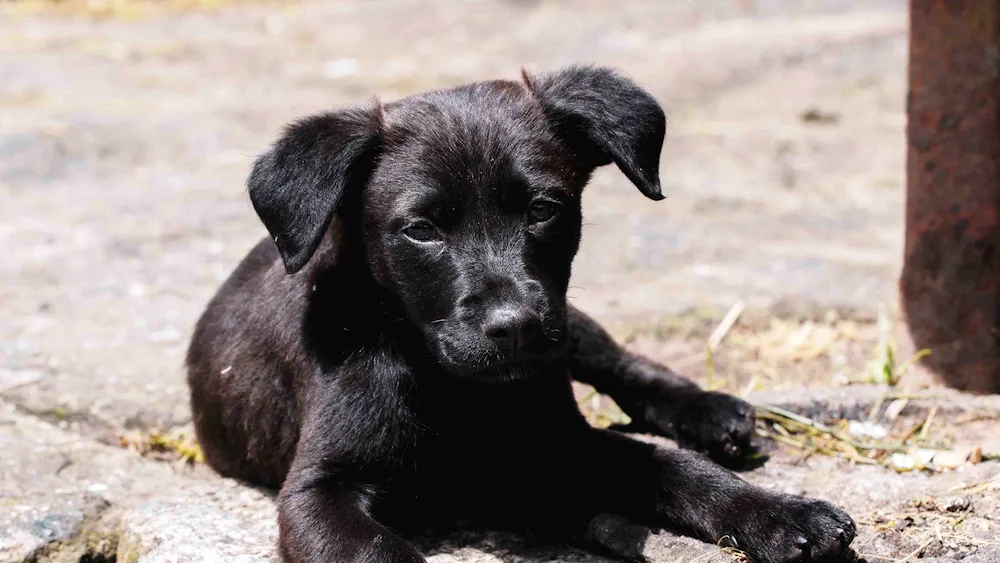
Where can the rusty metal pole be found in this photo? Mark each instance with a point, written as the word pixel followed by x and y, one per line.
pixel 950 284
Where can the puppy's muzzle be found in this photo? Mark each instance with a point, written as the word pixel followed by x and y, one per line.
pixel 512 327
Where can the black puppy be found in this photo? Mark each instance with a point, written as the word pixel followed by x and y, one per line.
pixel 400 353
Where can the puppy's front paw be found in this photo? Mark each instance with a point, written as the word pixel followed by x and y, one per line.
pixel 717 424
pixel 791 529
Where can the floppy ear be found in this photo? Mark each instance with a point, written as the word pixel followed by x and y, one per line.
pixel 297 185
pixel 604 117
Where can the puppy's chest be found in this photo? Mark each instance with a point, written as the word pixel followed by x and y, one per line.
pixel 473 444
pixel 456 410
pixel 488 424
pixel 438 436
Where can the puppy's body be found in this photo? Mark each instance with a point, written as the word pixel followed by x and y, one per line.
pixel 401 353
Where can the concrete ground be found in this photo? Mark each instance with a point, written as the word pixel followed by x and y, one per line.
pixel 127 129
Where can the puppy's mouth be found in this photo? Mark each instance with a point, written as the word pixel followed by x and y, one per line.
pixel 498 367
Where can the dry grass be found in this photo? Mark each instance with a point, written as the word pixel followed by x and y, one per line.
pixel 760 350
pixel 788 341
pixel 905 446
pixel 786 352
pixel 165 445
pixel 747 350
pixel 736 554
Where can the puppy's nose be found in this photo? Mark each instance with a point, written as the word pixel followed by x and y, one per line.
pixel 512 327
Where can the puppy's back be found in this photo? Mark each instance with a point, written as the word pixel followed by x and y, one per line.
pixel 242 364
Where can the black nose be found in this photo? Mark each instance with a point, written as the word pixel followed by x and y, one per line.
pixel 512 327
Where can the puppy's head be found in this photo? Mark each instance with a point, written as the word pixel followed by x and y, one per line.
pixel 467 202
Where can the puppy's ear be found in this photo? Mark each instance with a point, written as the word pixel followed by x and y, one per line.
pixel 603 118
pixel 297 185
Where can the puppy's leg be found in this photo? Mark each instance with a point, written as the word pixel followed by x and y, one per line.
pixel 323 522
pixel 323 518
pixel 657 399
pixel 356 429
pixel 686 492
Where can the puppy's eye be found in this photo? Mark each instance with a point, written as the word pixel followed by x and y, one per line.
pixel 542 210
pixel 421 232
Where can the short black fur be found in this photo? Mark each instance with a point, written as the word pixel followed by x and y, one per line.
pixel 399 353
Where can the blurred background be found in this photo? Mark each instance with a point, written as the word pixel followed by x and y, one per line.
pixel 127 129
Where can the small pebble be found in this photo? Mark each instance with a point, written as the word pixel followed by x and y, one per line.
pixel 954 504
pixel 902 462
pixel 924 457
pixel 904 523
pixel 867 429
pixel 950 460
